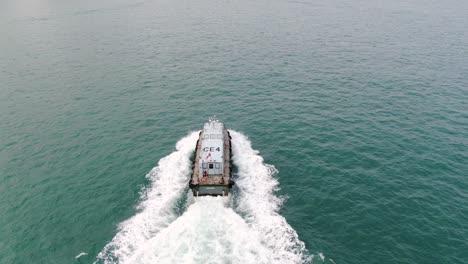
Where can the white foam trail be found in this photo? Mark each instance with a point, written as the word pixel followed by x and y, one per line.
pixel 208 231
pixel 258 202
pixel 168 181
pixel 80 255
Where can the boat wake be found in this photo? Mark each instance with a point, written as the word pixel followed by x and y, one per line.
pixel 242 228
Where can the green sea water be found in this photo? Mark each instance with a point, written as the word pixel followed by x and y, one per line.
pixel 361 106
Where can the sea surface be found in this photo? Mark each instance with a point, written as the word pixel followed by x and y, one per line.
pixel 349 122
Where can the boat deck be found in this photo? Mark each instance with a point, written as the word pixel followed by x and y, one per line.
pixel 216 180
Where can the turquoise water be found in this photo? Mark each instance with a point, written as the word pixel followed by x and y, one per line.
pixel 361 106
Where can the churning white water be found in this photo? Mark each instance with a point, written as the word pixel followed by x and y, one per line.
pixel 243 228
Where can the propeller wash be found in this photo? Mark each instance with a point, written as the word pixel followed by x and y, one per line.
pixel 243 227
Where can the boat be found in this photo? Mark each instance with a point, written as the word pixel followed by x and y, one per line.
pixel 212 166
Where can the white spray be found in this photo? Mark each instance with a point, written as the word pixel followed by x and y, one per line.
pixel 258 202
pixel 157 209
pixel 209 231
